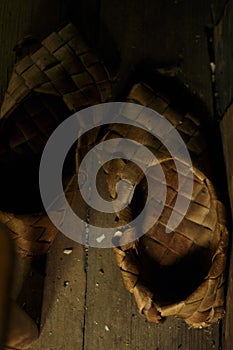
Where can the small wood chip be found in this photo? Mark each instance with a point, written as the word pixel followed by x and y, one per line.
pixel 107 328
pixel 68 251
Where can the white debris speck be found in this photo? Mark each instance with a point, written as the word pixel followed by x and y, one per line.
pixel 97 284
pixel 107 328
pixel 68 251
pixel 101 238
pixel 96 322
pixel 212 67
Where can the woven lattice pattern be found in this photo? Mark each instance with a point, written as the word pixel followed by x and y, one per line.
pixel 33 234
pixel 63 76
pixel 181 273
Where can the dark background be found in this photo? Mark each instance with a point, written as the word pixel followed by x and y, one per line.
pixel 180 39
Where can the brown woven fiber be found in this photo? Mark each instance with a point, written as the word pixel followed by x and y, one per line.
pixel 63 76
pixel 181 273
pixel 33 234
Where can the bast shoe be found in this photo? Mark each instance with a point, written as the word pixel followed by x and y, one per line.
pixel 180 273
pixel 63 76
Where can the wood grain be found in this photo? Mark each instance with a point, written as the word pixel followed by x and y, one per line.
pixel 64 298
pixel 113 322
pixel 223 37
pixel 94 310
pixel 161 34
pixel 226 130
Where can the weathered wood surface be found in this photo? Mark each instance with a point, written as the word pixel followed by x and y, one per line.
pixel 226 128
pixel 217 10
pixel 223 37
pixel 94 310
pixel 164 34
pixel 62 319
pixel 223 47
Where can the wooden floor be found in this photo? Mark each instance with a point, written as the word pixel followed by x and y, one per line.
pixel 79 299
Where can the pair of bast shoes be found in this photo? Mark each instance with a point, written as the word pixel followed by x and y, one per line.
pixel 181 273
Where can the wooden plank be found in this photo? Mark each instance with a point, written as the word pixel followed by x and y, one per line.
pixel 160 34
pixel 175 35
pixel 113 322
pixel 223 38
pixel 121 37
pixel 85 15
pixel 226 130
pixel 64 297
pixel 217 8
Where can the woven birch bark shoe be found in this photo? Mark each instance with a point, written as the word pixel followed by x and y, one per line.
pixel 181 273
pixel 63 76
pixel 33 234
